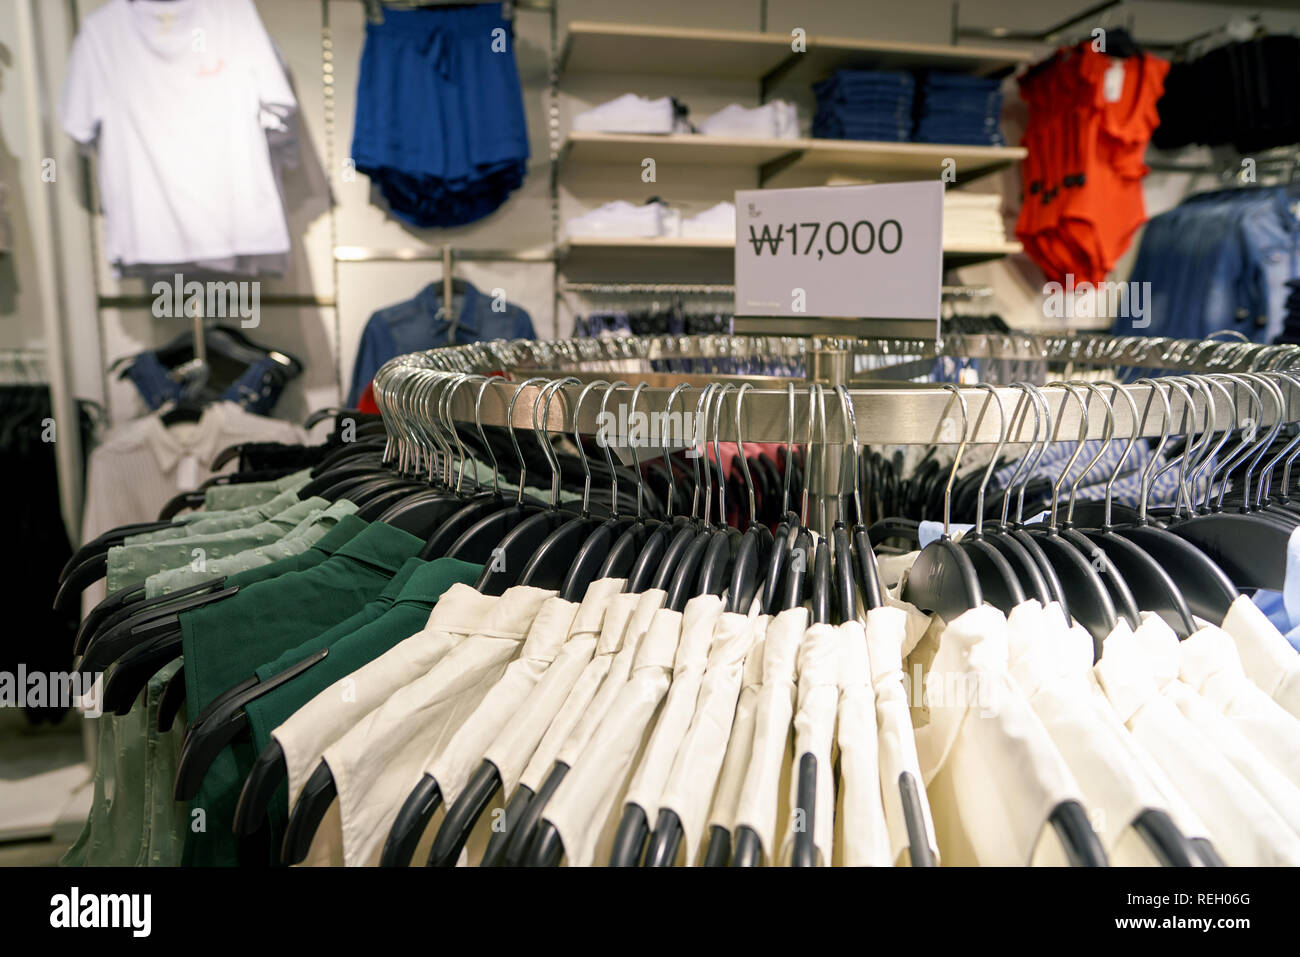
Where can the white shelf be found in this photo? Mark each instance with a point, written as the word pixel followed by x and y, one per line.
pixel 862 158
pixel 593 47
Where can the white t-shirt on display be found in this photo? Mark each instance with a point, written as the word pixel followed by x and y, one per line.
pixel 178 98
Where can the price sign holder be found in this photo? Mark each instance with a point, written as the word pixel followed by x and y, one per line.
pixel 826 254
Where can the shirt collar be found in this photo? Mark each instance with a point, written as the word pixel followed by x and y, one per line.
pixel 203 440
pixel 430 301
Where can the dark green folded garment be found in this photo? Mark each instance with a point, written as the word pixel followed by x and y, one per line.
pixel 351 646
pixel 225 642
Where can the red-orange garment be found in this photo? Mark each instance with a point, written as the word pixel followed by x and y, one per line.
pixel 1107 204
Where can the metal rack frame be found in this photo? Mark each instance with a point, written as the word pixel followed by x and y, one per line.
pixel 886 415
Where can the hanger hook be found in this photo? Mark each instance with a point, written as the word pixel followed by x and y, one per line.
pixel 1145 487
pixel 1108 432
pixel 789 449
pixel 1078 446
pixel 740 449
pixel 609 458
pixel 1117 389
pixel 700 448
pixel 668 464
pixel 577 440
pixel 956 461
pixel 994 396
pixel 510 423
pixel 636 457
pixel 1029 403
pixel 478 424
pixel 717 453
pixel 846 410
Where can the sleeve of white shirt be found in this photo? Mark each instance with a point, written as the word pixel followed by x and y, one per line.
pixel 81 107
pixel 273 89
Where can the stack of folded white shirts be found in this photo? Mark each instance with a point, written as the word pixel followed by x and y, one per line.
pixel 624 220
pixel 630 113
pixel 778 119
pixel 716 222
pixel 972 219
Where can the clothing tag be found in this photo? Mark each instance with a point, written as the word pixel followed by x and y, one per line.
pixel 1112 86
pixel 927 532
pixel 165 20
pixel 187 472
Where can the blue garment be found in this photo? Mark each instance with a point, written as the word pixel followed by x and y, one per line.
pixel 1220 260
pixel 257 389
pixel 416 324
pixel 440 123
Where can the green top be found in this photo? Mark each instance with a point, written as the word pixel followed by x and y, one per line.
pixel 209 523
pixel 297 540
pixel 219 498
pixel 129 832
pixel 225 642
pixel 130 565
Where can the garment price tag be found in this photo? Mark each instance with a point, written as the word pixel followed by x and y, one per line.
pixel 859 252
pixel 1112 82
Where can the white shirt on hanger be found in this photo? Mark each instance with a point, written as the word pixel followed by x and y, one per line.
pixel 178 97
pixel 1243 826
pixel 1267 658
pixel 861 831
pixel 688 791
pixel 582 809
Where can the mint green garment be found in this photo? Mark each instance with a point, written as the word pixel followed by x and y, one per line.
pixel 298 540
pixel 227 497
pixel 130 565
pixel 118 830
pixel 209 523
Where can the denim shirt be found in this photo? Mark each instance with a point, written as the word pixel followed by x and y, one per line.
pixel 416 325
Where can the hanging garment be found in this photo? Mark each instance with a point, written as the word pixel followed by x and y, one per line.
pixel 1160 645
pixel 1209 664
pixel 184 164
pixel 731 777
pixel 422 323
pixel 535 741
pixel 1244 828
pixel 861 837
pixel 699 619
pixel 306 733
pixel 528 693
pixel 992 774
pixel 892 632
pixel 1219 260
pixel 1049 664
pixel 814 736
pixel 762 806
pixel 689 788
pixel 377 763
pixel 1266 657
pixel 440 125
pixel 582 809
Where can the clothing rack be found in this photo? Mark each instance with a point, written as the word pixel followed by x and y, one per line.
pixel 648 289
pixel 885 415
pixel 23 367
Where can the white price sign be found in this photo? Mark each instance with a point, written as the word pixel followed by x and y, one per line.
pixel 840 251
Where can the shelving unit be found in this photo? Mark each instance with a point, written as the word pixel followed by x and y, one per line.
pixel 768 60
pixel 763 57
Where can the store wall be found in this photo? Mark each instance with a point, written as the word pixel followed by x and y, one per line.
pixel 326 338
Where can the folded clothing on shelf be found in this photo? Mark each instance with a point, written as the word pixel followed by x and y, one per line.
pixel 778 119
pixel 864 105
pixel 960 109
pixel 972 219
pixel 621 219
pixel 715 222
pixel 630 113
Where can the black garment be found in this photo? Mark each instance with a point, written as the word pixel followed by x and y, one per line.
pixel 1246 94
pixel 40 639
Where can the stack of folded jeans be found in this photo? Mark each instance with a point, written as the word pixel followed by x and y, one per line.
pixel 864 105
pixel 960 109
